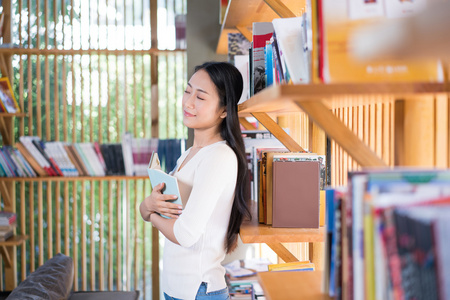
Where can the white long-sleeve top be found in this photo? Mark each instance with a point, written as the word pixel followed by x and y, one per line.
pixel 207 183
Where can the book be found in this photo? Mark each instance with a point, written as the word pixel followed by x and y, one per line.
pixel 291 38
pixel 296 194
pixel 157 176
pixel 262 32
pixel 7 99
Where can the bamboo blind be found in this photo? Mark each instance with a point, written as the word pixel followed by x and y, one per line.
pixel 85 72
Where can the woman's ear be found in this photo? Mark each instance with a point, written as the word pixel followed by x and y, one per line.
pixel 224 114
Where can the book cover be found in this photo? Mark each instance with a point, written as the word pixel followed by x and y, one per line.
pixel 292 40
pixel 7 96
pixel 158 176
pixel 262 32
pixel 296 194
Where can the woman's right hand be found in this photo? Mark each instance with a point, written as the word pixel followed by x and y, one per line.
pixel 158 202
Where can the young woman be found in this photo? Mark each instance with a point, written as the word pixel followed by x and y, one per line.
pixel 212 177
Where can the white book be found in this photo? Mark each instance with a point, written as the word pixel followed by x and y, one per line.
pixel 127 154
pixel 93 159
pixel 291 37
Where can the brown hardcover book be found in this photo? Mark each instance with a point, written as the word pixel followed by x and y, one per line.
pixel 76 160
pixel 31 160
pixel 296 194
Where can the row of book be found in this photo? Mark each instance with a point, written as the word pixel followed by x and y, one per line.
pixel 32 157
pixel 317 47
pixel 388 236
pixel 8 222
pixel 288 187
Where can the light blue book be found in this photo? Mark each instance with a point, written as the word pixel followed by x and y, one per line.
pixel 157 176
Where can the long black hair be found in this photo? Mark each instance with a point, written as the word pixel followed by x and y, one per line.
pixel 229 85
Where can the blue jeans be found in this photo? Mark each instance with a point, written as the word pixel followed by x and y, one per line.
pixel 202 295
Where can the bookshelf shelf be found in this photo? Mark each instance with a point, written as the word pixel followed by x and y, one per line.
pixel 292 285
pixel 283 98
pixel 253 232
pixel 78 178
pixel 241 14
pixel 16 240
pixel 9 115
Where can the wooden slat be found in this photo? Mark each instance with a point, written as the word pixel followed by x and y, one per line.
pixel 420 136
pixel 280 9
pixel 144 249
pixel 91 238
pixel 247 125
pixel 66 219
pixel 278 132
pixel 101 229
pixel 64 75
pixel 282 252
pixel 47 77
pixel 31 226
pixel 83 237
pixel 442 132
pixel 117 52
pixel 4 191
pixel 127 235
pixel 75 233
pixel 49 220
pixel 341 134
pixel 40 226
pixel 23 231
pixel 110 237
pixel 119 236
pixel 136 260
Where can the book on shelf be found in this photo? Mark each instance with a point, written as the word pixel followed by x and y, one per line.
pixel 158 176
pixel 262 32
pixel 387 235
pixel 292 41
pixel 32 157
pixel 341 18
pixel 8 102
pixel 292 266
pixel 296 194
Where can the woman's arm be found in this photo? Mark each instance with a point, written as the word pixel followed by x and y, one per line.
pixel 165 226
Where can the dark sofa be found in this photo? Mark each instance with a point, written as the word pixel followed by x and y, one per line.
pixel 54 279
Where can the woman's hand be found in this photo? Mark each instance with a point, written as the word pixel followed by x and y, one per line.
pixel 157 202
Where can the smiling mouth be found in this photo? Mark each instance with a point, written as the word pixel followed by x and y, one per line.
pixel 188 114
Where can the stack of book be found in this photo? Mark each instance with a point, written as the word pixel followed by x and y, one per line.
pixel 33 157
pixel 293 266
pixel 7 225
pixel 387 236
pixel 289 187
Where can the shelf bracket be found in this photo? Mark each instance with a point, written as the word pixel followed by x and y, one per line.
pixel 4 131
pixel 282 252
pixel 5 255
pixel 340 133
pixel 280 9
pixel 4 192
pixel 247 125
pixel 278 132
pixel 245 32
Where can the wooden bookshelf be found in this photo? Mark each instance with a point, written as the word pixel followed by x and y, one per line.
pixel 75 178
pixel 284 98
pixel 253 232
pixel 16 240
pixel 292 285
pixel 240 16
pixel 9 115
pixel 13 241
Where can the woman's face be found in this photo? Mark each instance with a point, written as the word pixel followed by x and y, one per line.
pixel 201 109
